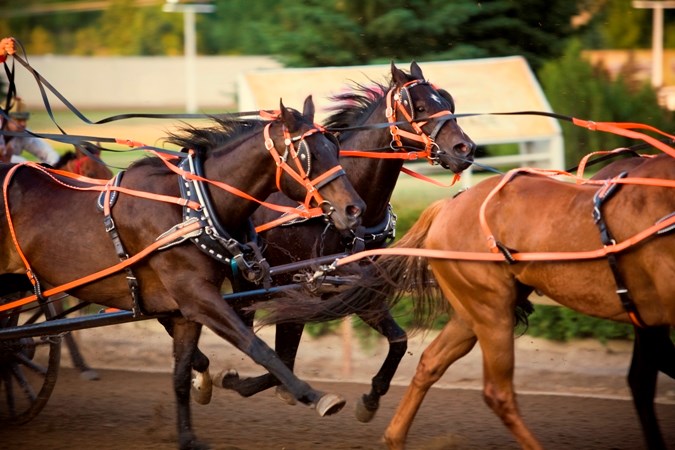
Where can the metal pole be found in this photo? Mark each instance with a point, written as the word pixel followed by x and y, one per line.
pixel 657 47
pixel 190 51
pixel 657 36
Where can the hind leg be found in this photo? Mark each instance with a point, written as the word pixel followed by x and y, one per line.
pixel 653 351
pixel 454 341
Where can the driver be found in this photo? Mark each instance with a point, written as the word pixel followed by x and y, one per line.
pixel 11 147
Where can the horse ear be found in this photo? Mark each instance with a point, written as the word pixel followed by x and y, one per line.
pixel 416 71
pixel 287 116
pixel 308 109
pixel 397 75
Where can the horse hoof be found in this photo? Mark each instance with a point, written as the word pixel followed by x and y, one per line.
pixel 225 379
pixel 282 393
pixel 202 387
pixel 89 375
pixel 330 404
pixel 362 412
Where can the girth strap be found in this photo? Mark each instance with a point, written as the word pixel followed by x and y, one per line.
pixel 604 193
pixel 111 229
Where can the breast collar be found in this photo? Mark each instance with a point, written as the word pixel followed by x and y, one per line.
pixel 213 239
pixel 376 236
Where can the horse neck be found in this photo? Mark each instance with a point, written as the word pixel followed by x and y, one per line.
pixel 249 168
pixel 373 179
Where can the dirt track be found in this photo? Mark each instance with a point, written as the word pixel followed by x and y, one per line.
pixel 135 409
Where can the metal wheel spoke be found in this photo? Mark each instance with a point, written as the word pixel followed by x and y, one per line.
pixel 9 393
pixel 35 367
pixel 24 384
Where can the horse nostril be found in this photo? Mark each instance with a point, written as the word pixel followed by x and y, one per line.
pixel 462 148
pixel 353 211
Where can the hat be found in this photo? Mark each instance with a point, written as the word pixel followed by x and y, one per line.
pixel 18 110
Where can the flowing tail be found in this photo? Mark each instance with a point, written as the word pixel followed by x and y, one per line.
pixel 382 283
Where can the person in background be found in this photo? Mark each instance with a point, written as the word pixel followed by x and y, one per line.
pixel 11 147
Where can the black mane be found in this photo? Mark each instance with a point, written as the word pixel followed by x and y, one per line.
pixel 225 131
pixel 353 108
pixel 219 137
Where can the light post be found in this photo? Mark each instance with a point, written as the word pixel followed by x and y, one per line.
pixel 657 36
pixel 189 45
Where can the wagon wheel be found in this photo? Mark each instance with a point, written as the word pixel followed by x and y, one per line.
pixel 28 368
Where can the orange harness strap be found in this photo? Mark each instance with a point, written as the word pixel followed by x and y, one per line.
pixel 497 257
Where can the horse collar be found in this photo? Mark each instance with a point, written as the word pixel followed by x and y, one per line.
pixel 213 239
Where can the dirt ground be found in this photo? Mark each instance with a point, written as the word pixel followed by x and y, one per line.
pixel 572 395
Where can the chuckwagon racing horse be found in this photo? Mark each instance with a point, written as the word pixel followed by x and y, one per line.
pixel 232 164
pixel 561 239
pixel 410 99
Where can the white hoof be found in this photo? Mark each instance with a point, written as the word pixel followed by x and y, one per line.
pixel 330 404
pixel 89 375
pixel 282 393
pixel 202 387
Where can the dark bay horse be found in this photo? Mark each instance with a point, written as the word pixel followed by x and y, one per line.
pixel 83 160
pixel 416 102
pixel 69 241
pixel 530 214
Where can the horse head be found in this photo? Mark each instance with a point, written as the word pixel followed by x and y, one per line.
pixel 424 107
pixel 316 177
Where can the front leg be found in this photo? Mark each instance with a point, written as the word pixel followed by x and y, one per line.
pixel 369 403
pixel 206 306
pixel 185 337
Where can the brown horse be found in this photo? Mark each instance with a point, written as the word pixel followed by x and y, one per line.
pixel 359 115
pixel 69 241
pixel 531 213
pixel 85 161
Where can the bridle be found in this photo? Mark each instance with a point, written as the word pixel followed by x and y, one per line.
pixel 401 100
pixel 301 173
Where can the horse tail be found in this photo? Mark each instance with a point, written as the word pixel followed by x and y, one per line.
pixel 382 283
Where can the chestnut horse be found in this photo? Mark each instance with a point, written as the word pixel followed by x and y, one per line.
pixel 530 213
pixel 360 114
pixel 69 241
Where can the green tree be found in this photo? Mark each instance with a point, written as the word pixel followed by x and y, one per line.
pixel 575 88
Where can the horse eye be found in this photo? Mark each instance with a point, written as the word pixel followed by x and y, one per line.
pixel 420 109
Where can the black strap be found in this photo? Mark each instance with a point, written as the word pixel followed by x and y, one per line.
pixel 606 237
pixel 132 281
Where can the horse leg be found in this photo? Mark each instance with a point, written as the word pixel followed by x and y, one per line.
pixel 287 341
pixel 86 372
pixel 495 334
pixel 185 338
pixel 454 341
pixel 222 319
pixel 652 351
pixel 202 386
pixel 367 405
